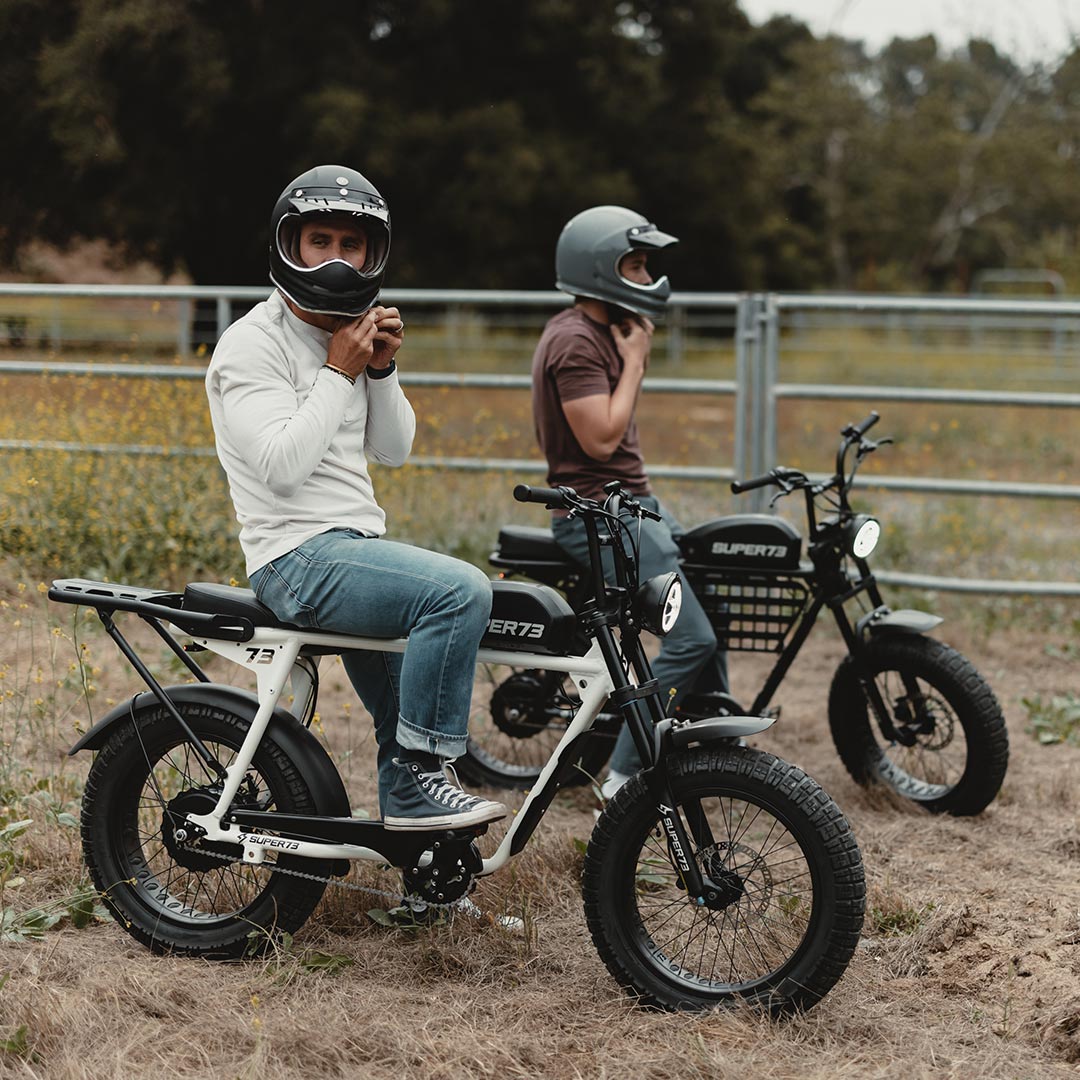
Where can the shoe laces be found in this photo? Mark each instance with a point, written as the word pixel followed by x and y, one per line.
pixel 443 787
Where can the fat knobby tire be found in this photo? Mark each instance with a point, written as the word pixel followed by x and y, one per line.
pixel 976 708
pixel 797 801
pixel 115 859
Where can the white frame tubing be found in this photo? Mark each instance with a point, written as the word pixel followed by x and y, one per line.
pixel 272 654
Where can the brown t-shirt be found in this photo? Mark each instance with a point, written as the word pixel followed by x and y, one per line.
pixel 575 358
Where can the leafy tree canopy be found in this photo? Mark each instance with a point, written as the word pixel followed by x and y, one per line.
pixel 782 160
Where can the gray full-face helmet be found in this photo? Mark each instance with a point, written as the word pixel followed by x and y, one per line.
pixel 590 248
pixel 334 287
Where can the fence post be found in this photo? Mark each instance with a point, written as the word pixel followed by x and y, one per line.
pixel 676 326
pixel 183 329
pixel 745 335
pixel 770 374
pixel 224 316
pixel 757 400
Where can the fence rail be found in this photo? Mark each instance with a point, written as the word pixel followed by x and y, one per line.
pixel 764 327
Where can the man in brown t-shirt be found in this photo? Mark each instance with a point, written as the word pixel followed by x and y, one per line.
pixel 587 373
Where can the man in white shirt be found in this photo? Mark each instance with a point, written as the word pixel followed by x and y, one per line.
pixel 303 391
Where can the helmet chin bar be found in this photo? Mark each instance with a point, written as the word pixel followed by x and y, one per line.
pixel 314 309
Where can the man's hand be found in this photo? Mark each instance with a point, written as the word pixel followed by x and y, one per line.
pixel 633 340
pixel 390 330
pixel 371 339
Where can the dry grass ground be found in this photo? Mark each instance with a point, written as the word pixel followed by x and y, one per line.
pixel 969 965
pixel 970 962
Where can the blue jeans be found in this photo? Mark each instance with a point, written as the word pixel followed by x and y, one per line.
pixel 689 659
pixel 350 583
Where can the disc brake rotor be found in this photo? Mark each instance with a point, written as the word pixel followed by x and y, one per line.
pixel 924 721
pixel 718 862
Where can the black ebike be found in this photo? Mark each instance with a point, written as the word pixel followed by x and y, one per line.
pixel 905 710
pixel 213 819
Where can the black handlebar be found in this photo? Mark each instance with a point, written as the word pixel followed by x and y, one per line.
pixel 865 426
pixel 552 498
pixel 739 486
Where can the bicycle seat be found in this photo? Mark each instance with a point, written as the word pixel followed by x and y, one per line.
pixel 215 599
pixel 528 542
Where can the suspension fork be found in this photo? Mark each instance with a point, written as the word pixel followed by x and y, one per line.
pixel 640 705
pixel 855 649
pixel 643 711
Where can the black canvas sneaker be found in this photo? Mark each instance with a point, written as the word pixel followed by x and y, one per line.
pixel 426 794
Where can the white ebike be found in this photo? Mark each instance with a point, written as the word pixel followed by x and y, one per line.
pixel 213 819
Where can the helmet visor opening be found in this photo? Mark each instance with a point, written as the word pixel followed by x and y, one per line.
pixel 642 269
pixel 377 239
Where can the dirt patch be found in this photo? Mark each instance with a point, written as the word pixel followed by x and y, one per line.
pixel 969 966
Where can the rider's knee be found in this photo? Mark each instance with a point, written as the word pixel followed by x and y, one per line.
pixel 472 589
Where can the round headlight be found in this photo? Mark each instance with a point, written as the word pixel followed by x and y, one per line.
pixel 672 607
pixel 863 534
pixel 658 602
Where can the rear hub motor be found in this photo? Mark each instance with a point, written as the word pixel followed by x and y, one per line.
pixel 181 838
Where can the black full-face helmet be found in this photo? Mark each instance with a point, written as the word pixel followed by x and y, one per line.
pixel 590 248
pixel 334 287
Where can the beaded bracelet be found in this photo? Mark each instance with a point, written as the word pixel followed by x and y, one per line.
pixel 343 374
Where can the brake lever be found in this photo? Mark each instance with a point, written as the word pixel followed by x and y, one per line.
pixel 868 446
pixel 630 503
pixel 784 483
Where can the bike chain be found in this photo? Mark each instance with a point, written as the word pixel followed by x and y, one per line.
pixel 398 898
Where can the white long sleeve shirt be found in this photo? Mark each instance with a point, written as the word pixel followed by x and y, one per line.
pixel 294 437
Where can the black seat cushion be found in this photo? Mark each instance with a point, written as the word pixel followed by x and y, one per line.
pixel 218 599
pixel 528 542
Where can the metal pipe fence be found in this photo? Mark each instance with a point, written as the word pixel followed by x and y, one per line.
pixel 775 338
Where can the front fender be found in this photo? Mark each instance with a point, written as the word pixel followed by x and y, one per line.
pixel 712 729
pixel 303 749
pixel 906 621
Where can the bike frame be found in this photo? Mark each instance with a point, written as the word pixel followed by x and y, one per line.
pixel 828 583
pixel 272 656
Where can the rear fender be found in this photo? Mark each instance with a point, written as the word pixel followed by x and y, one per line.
pixel 303 749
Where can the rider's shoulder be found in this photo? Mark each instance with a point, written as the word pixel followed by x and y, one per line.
pixel 570 333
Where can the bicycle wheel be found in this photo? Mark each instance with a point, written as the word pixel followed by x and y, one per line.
pixel 517 721
pixel 177 896
pixel 784 873
pixel 953 747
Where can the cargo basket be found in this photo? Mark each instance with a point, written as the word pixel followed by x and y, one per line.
pixel 750 613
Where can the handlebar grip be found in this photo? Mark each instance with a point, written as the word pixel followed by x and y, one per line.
pixel 550 497
pixel 867 424
pixel 739 486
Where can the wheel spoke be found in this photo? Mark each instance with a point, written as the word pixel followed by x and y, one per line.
pixel 761 925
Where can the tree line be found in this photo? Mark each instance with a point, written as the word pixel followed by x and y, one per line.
pixel 782 160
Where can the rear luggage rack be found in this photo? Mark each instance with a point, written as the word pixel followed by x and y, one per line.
pixel 108 596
